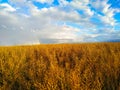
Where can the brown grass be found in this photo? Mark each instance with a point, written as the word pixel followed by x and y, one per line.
pixel 60 67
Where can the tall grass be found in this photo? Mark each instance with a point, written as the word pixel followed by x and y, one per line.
pixel 60 67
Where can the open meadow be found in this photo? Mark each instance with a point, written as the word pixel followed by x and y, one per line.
pixel 88 66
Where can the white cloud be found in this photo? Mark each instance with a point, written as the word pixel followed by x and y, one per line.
pixel 46 25
pixel 65 33
pixel 108 21
pixel 63 2
pixel 83 6
pixel 100 5
pixel 40 26
pixel 45 1
pixel 7 7
pixel 17 1
pixel 56 14
pixel 88 12
pixel 104 8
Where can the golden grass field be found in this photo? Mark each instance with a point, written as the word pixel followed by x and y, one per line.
pixel 90 66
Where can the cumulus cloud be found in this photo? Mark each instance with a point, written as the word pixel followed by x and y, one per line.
pixel 22 22
pixel 37 28
pixel 13 30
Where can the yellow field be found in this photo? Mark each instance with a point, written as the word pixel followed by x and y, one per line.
pixel 93 66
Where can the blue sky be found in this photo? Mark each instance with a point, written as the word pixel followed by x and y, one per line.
pixel 58 21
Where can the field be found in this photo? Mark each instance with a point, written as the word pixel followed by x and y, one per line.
pixel 91 66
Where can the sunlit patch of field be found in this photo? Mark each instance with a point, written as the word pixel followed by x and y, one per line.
pixel 94 66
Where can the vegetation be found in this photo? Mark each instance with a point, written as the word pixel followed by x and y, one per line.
pixel 94 66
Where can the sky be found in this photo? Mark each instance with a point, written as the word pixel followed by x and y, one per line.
pixel 58 21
